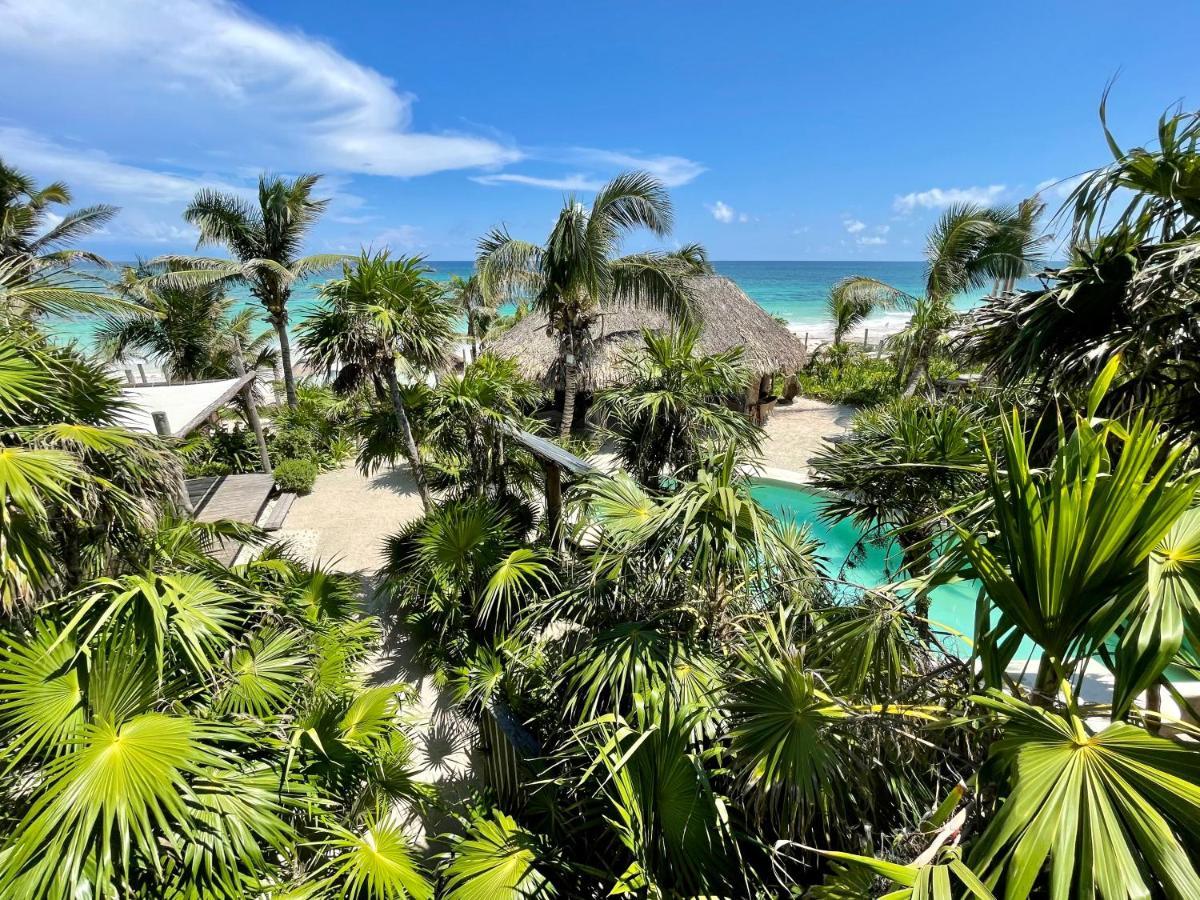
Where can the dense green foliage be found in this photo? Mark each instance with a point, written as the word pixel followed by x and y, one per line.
pixel 296 475
pixel 170 727
pixel 696 707
pixel 846 374
pixel 671 401
pixel 1132 287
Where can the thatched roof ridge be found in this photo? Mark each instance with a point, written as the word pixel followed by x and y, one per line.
pixel 727 318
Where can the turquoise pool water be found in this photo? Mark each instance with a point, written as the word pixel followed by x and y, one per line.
pixel 952 607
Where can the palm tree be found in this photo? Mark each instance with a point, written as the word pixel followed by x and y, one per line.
pixel 670 404
pixel 203 733
pixel 577 272
pixel 379 312
pixel 26 227
pixel 187 328
pixel 969 246
pixel 77 491
pixel 265 240
pixel 480 312
pixel 1131 286
pixel 851 301
pixel 1093 546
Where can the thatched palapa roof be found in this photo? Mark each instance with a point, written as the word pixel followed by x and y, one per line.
pixel 727 319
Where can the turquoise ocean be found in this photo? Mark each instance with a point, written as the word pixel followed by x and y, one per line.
pixel 793 291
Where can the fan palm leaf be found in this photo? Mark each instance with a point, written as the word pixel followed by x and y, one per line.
pixel 497 858
pixel 1111 813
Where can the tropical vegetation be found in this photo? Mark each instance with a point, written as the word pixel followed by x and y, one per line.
pixel 676 694
pixel 578 271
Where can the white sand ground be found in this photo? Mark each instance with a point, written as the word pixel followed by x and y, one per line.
pixel 870 332
pixel 797 431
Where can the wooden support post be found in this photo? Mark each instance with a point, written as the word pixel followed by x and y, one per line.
pixel 553 501
pixel 161 425
pixel 142 373
pixel 866 332
pixel 239 366
pixel 129 376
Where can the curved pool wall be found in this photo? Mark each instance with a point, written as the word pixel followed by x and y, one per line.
pixel 864 563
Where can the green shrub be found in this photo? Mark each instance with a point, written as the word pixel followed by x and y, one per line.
pixel 296 475
pixel 847 375
pixel 221 451
pixel 317 429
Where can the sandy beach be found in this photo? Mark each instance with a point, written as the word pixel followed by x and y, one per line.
pixel 870 332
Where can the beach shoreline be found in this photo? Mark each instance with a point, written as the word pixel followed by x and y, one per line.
pixel 868 333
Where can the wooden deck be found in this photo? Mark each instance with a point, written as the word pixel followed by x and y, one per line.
pixel 240 498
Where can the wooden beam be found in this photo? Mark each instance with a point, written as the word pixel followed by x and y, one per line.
pixel 251 406
pixel 553 481
pixel 225 397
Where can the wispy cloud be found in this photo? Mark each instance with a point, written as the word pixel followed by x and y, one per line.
pixel 601 165
pixel 672 171
pixel 872 240
pixel 1059 187
pixel 854 226
pixel 581 183
pixel 940 198
pixel 277 91
pixel 80 165
pixel 725 213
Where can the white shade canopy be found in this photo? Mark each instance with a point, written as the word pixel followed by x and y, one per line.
pixel 186 405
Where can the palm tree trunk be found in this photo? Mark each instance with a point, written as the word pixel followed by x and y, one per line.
pixel 285 359
pixel 410 443
pixel 570 378
pixel 915 377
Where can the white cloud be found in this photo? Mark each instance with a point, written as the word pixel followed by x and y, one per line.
pixel 854 226
pixel 211 71
pixel 400 239
pixel 1060 187
pixel 871 240
pixel 940 198
pixel 566 183
pixel 672 171
pixel 725 213
pixel 100 172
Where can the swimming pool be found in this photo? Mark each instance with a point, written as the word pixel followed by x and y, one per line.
pixel 951 606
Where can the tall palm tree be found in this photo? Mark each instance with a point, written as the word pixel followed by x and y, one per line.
pixel 189 329
pixel 266 240
pixel 383 310
pixel 578 271
pixel 475 305
pixel 969 246
pixel 26 226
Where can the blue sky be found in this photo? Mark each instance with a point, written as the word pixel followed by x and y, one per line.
pixel 785 130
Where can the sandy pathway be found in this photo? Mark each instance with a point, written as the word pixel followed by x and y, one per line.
pixel 797 431
pixel 353 514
